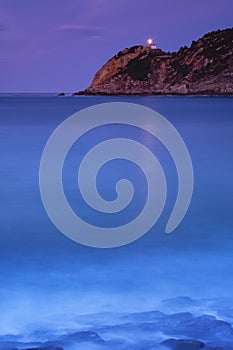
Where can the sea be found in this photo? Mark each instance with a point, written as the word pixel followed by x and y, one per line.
pixel 160 290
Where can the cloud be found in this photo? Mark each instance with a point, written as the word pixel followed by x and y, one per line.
pixel 84 30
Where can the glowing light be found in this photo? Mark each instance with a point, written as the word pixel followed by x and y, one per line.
pixel 150 41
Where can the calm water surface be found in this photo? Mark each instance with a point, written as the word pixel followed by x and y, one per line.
pixel 43 273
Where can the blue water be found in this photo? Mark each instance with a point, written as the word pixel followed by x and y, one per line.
pixel 48 280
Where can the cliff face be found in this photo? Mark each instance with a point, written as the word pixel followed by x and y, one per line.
pixel 204 68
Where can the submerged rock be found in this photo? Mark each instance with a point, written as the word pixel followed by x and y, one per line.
pixel 183 344
pixel 44 348
pixel 83 336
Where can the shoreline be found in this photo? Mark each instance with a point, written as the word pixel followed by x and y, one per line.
pixel 81 93
pixel 77 94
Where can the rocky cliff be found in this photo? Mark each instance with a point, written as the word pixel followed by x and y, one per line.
pixel 206 67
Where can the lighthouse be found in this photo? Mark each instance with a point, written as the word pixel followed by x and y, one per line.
pixel 151 44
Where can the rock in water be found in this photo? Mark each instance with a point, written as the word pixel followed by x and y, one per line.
pixel 183 344
pixel 83 336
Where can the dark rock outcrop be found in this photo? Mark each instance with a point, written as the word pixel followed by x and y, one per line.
pixel 206 67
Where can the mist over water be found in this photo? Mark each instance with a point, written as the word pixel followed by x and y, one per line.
pixel 48 281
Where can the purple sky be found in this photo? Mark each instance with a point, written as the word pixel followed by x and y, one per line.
pixel 58 45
